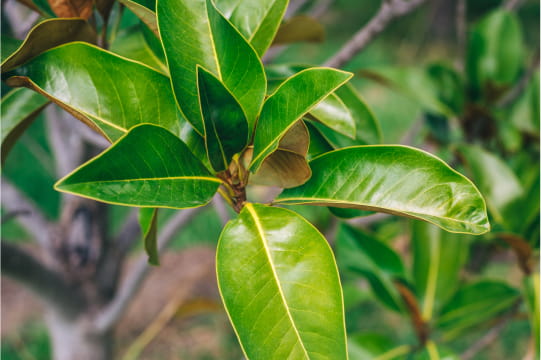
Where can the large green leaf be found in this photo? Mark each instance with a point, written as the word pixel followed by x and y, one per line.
pixel 333 113
pixel 438 258
pixel 226 128
pixel 359 253
pixel 495 50
pixel 280 286
pixel 257 21
pixel 46 35
pixel 474 304
pixel 19 108
pixel 148 220
pixel 294 98
pixel 497 182
pixel 148 167
pixel 195 33
pixel 144 13
pixel 100 89
pixel 395 179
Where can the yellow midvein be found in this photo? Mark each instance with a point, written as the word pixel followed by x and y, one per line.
pixel 158 178
pixel 267 251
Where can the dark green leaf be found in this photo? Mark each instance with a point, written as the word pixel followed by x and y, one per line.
pixel 395 179
pixel 19 108
pixel 148 219
pixel 148 167
pixel 294 98
pixel 195 33
pixel 100 89
pixel 280 286
pixel 47 35
pixel 359 253
pixel 299 28
pixel 226 128
pixel 370 346
pixel 318 144
pixel 531 294
pixel 349 213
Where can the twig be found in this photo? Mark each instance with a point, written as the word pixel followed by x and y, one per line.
pixel 44 282
pixel 35 223
pixel 389 10
pixel 114 310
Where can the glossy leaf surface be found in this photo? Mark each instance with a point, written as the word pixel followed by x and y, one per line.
pixel 148 167
pixel 334 114
pixel 148 220
pixel 195 33
pixel 475 304
pixel 438 258
pixel 19 108
pixel 299 28
pixel 394 179
pixel 146 15
pixel 257 21
pixel 47 35
pixel 280 286
pixel 359 253
pixel 294 98
pixel 226 128
pixel 108 98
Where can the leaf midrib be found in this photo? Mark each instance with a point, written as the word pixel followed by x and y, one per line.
pixel 261 234
pixel 152 179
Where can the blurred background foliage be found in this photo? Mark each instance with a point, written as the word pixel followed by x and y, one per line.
pixel 429 88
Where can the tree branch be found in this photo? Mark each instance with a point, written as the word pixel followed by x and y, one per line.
pixel 389 10
pixel 114 310
pixel 47 284
pixel 34 222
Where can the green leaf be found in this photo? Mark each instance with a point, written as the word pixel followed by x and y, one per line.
pixel 287 166
pixel 100 89
pixel 257 21
pixel 531 294
pixel 474 304
pixel 361 254
pixel 294 98
pixel 148 167
pixel 299 28
pixel 349 213
pixel 495 53
pixel 195 33
pixel 144 13
pixel 226 128
pixel 132 43
pixel 497 182
pixel 19 108
pixel 371 346
pixel 432 351
pixel 148 219
pixel 395 179
pixel 280 286
pixel 438 258
pixel 47 35
pixel 334 114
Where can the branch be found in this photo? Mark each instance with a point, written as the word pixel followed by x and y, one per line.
pixel 34 222
pixel 114 310
pixel 389 10
pixel 44 282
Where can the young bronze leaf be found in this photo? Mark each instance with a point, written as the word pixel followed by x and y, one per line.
pixel 226 128
pixel 148 167
pixel 280 286
pixel 395 179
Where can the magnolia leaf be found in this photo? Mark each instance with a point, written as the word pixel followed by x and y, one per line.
pixel 299 28
pixel 496 180
pixel 19 108
pixel 280 286
pixel 72 8
pixel 294 98
pixel 132 43
pixel 257 21
pixel 361 254
pixel 146 15
pixel 438 258
pixel 287 166
pixel 474 304
pixel 226 128
pixel 148 220
pixel 109 100
pixel 47 35
pixel 334 114
pixel 148 167
pixel 195 33
pixel 399 180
